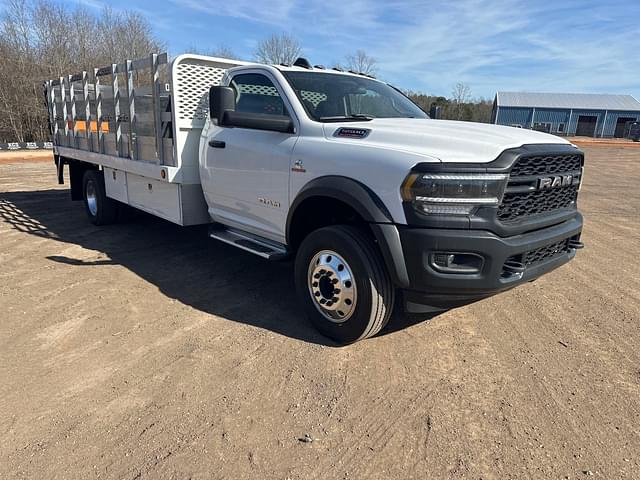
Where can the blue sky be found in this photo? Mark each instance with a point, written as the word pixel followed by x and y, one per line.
pixel 563 46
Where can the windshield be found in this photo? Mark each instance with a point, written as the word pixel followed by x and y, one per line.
pixel 333 97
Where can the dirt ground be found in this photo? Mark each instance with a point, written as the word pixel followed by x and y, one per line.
pixel 601 142
pixel 20 156
pixel 145 350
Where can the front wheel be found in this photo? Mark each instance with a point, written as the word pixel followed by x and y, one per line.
pixel 343 284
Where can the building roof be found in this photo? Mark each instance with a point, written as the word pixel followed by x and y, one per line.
pixel 587 101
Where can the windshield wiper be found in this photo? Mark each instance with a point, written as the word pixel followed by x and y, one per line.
pixel 356 117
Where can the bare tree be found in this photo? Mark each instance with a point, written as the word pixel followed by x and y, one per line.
pixel 361 62
pixel 278 49
pixel 132 32
pixel 474 109
pixel 224 51
pixel 44 39
pixel 461 94
pixel 221 51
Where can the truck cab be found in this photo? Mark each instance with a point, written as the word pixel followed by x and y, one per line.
pixel 376 203
pixel 456 211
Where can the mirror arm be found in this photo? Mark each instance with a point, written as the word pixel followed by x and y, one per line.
pixel 258 121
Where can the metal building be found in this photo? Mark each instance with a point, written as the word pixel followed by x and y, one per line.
pixel 582 114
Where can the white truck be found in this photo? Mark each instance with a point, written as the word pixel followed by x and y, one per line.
pixel 341 172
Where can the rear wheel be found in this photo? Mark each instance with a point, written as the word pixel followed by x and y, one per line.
pixel 100 209
pixel 342 283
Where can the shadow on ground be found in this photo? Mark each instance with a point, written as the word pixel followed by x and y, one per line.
pixel 181 261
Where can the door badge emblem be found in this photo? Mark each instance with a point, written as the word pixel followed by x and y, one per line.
pixel 298 167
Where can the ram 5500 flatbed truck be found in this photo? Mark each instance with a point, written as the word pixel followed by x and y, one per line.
pixel 338 170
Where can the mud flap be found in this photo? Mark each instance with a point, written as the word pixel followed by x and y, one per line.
pixel 59 161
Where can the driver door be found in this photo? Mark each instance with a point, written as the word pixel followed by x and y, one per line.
pixel 249 168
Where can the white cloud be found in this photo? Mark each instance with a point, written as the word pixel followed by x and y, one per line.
pixel 497 44
pixel 272 12
pixel 97 4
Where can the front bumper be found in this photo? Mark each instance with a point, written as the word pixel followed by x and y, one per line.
pixel 427 286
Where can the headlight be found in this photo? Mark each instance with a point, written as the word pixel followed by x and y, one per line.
pixel 453 194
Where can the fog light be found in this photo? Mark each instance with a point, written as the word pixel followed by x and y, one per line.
pixel 452 262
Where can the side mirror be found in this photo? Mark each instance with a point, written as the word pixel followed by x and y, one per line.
pixel 222 109
pixel 221 100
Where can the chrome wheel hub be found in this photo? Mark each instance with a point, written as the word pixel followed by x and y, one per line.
pixel 332 286
pixel 92 198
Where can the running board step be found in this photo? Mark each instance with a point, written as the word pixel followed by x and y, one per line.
pixel 258 246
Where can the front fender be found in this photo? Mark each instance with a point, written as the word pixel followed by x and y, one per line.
pixel 370 207
pixel 350 191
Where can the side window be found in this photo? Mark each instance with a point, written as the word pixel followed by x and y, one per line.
pixel 255 93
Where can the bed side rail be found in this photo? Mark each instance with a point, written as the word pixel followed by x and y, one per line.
pixel 121 110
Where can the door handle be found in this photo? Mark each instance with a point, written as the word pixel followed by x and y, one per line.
pixel 217 144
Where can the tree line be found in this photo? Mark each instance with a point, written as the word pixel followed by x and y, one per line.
pixel 43 39
pixel 40 40
pixel 455 108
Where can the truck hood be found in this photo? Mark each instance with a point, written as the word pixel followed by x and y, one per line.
pixel 444 140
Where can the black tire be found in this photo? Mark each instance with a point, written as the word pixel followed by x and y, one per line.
pixel 100 209
pixel 374 292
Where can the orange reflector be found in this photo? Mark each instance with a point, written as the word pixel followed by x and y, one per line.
pixel 81 125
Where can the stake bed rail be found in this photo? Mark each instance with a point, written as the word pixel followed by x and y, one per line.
pixel 140 118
